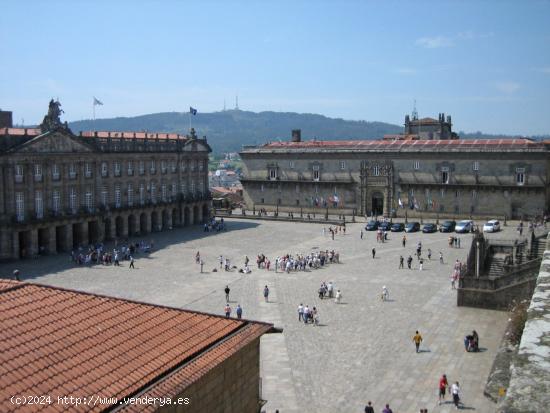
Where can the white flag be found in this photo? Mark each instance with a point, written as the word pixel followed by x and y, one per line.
pixel 97 101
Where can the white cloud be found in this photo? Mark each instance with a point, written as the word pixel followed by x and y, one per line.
pixel 545 70
pixel 507 87
pixel 434 42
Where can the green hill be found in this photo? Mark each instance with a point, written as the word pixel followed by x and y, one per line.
pixel 227 131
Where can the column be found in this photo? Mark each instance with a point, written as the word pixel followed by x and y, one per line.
pixel 109 225
pixel 168 220
pixel 68 240
pixel 100 230
pixel 5 245
pixel 191 218
pixel 33 243
pixel 124 227
pixel 84 236
pixel 52 241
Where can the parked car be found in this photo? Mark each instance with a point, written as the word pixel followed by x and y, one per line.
pixel 429 228
pixel 412 227
pixel 372 225
pixel 397 227
pixel 447 226
pixel 384 226
pixel 491 226
pixel 464 226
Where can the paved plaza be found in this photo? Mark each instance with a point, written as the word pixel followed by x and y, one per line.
pixel 362 350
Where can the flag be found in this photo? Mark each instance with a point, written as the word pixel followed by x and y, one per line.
pixel 192 110
pixel 97 101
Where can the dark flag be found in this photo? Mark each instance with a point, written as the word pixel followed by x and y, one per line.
pixel 192 111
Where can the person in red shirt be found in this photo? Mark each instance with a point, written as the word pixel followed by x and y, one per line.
pixel 443 384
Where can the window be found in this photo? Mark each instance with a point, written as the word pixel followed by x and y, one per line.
pixel 174 189
pixel 279 188
pixel 444 177
pixel 56 201
pixel 117 196
pixel 342 165
pixel 262 188
pixel 39 204
pixel 442 192
pixel 152 167
pixel 20 206
pixel 297 189
pixel 163 192
pixel 55 172
pixel 130 168
pixel 201 166
pixel 141 167
pixel 376 170
pixel 272 173
pixel 474 194
pixel 193 187
pixel 316 175
pixel 520 176
pixel 104 196
pixel 184 165
pixel 163 167
pixel 183 188
pixel 89 200
pixel 416 165
pixel 130 195
pixel 19 173
pixel 262 201
pixel 297 202
pixel 72 171
pixel 475 166
pixel 457 194
pixel 291 164
pixel 196 166
pixel 173 166
pixel 104 169
pixel 88 170
pixel 117 168
pixel 37 172
pixel 153 193
pixel 141 193
pixel 72 200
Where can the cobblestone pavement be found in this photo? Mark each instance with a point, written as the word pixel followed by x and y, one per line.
pixel 363 349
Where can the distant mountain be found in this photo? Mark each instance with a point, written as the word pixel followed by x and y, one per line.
pixel 227 131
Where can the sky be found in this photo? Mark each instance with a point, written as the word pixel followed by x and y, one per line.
pixel 486 63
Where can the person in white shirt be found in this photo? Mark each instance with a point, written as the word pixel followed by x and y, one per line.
pixel 300 312
pixel 455 391
pixel 306 314
pixel 338 298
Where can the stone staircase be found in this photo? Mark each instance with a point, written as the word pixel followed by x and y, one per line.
pixel 538 247
pixel 496 268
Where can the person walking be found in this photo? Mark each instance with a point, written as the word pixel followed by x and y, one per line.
pixel 266 294
pixel 227 290
pixel 409 262
pixel 385 294
pixel 338 298
pixel 401 262
pixel 202 264
pixel 440 257
pixel 239 310
pixel 417 339
pixel 305 316
pixel 455 391
pixel 387 409
pixel 373 252
pixel 221 262
pixel 369 408
pixel 421 264
pixel 443 384
pixel 300 312
pixel 404 241
pixel 429 254
pixel 458 242
pixel 227 310
pixel 361 234
pixel 132 262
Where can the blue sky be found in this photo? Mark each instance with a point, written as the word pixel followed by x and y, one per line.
pixel 487 63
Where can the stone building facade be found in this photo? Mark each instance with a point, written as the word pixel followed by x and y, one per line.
pixel 428 177
pixel 59 190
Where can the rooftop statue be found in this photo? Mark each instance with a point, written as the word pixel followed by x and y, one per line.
pixel 52 120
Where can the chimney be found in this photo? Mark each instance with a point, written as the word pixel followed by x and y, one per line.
pixel 296 135
pixel 6 119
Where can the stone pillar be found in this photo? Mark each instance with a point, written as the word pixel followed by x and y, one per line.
pixel 52 241
pixel 191 217
pixel 168 220
pixel 68 240
pixel 124 227
pixel 100 230
pixel 5 245
pixel 33 243
pixel 109 232
pixel 16 253
pixel 84 236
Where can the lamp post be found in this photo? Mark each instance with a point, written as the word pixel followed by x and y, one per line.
pixel 477 259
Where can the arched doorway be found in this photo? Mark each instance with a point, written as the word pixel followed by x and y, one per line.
pixel 175 220
pixel 107 228
pixel 165 219
pixel 205 214
pixel 119 227
pixel 132 225
pixel 155 224
pixel 196 218
pixel 143 223
pixel 186 217
pixel 377 203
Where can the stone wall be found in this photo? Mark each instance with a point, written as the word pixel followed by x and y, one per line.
pixel 231 387
pixel 529 390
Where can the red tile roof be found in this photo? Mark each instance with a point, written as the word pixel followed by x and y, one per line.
pixel 66 343
pixel 20 131
pixel 132 135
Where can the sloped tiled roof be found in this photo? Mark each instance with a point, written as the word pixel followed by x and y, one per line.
pixel 61 343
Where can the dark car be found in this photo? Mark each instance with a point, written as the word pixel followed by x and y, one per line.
pixel 429 228
pixel 372 226
pixel 398 227
pixel 384 226
pixel 447 226
pixel 412 227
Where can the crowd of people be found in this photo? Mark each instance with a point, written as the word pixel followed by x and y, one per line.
pixel 99 254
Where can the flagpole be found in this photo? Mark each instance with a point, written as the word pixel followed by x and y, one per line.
pixel 189 121
pixel 93 105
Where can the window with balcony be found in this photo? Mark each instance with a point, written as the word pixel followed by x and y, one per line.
pixel 342 165
pixel 201 165
pixel 152 167
pixel 20 206
pixel 88 170
pixel 130 195
pixel 56 201
pixel 141 167
pixel 273 173
pixel 416 165
pixel 163 192
pixel 262 188
pixel 118 169
pixel 183 188
pixel 104 196
pixel 475 166
pixel 72 171
pixel 376 170
pixel 174 189
pixel 72 200
pixel 291 164
pixel 130 168
pixel 184 166
pixel 173 166
pixel 104 169
pixel 520 178
pixel 118 198
pixel 192 187
pixel 39 204
pixel 89 200
pixel 141 194
pixel 37 172
pixel 19 173
pixel 55 172
pixel 444 175
pixel 315 175
pixel 153 193
pixel 163 168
